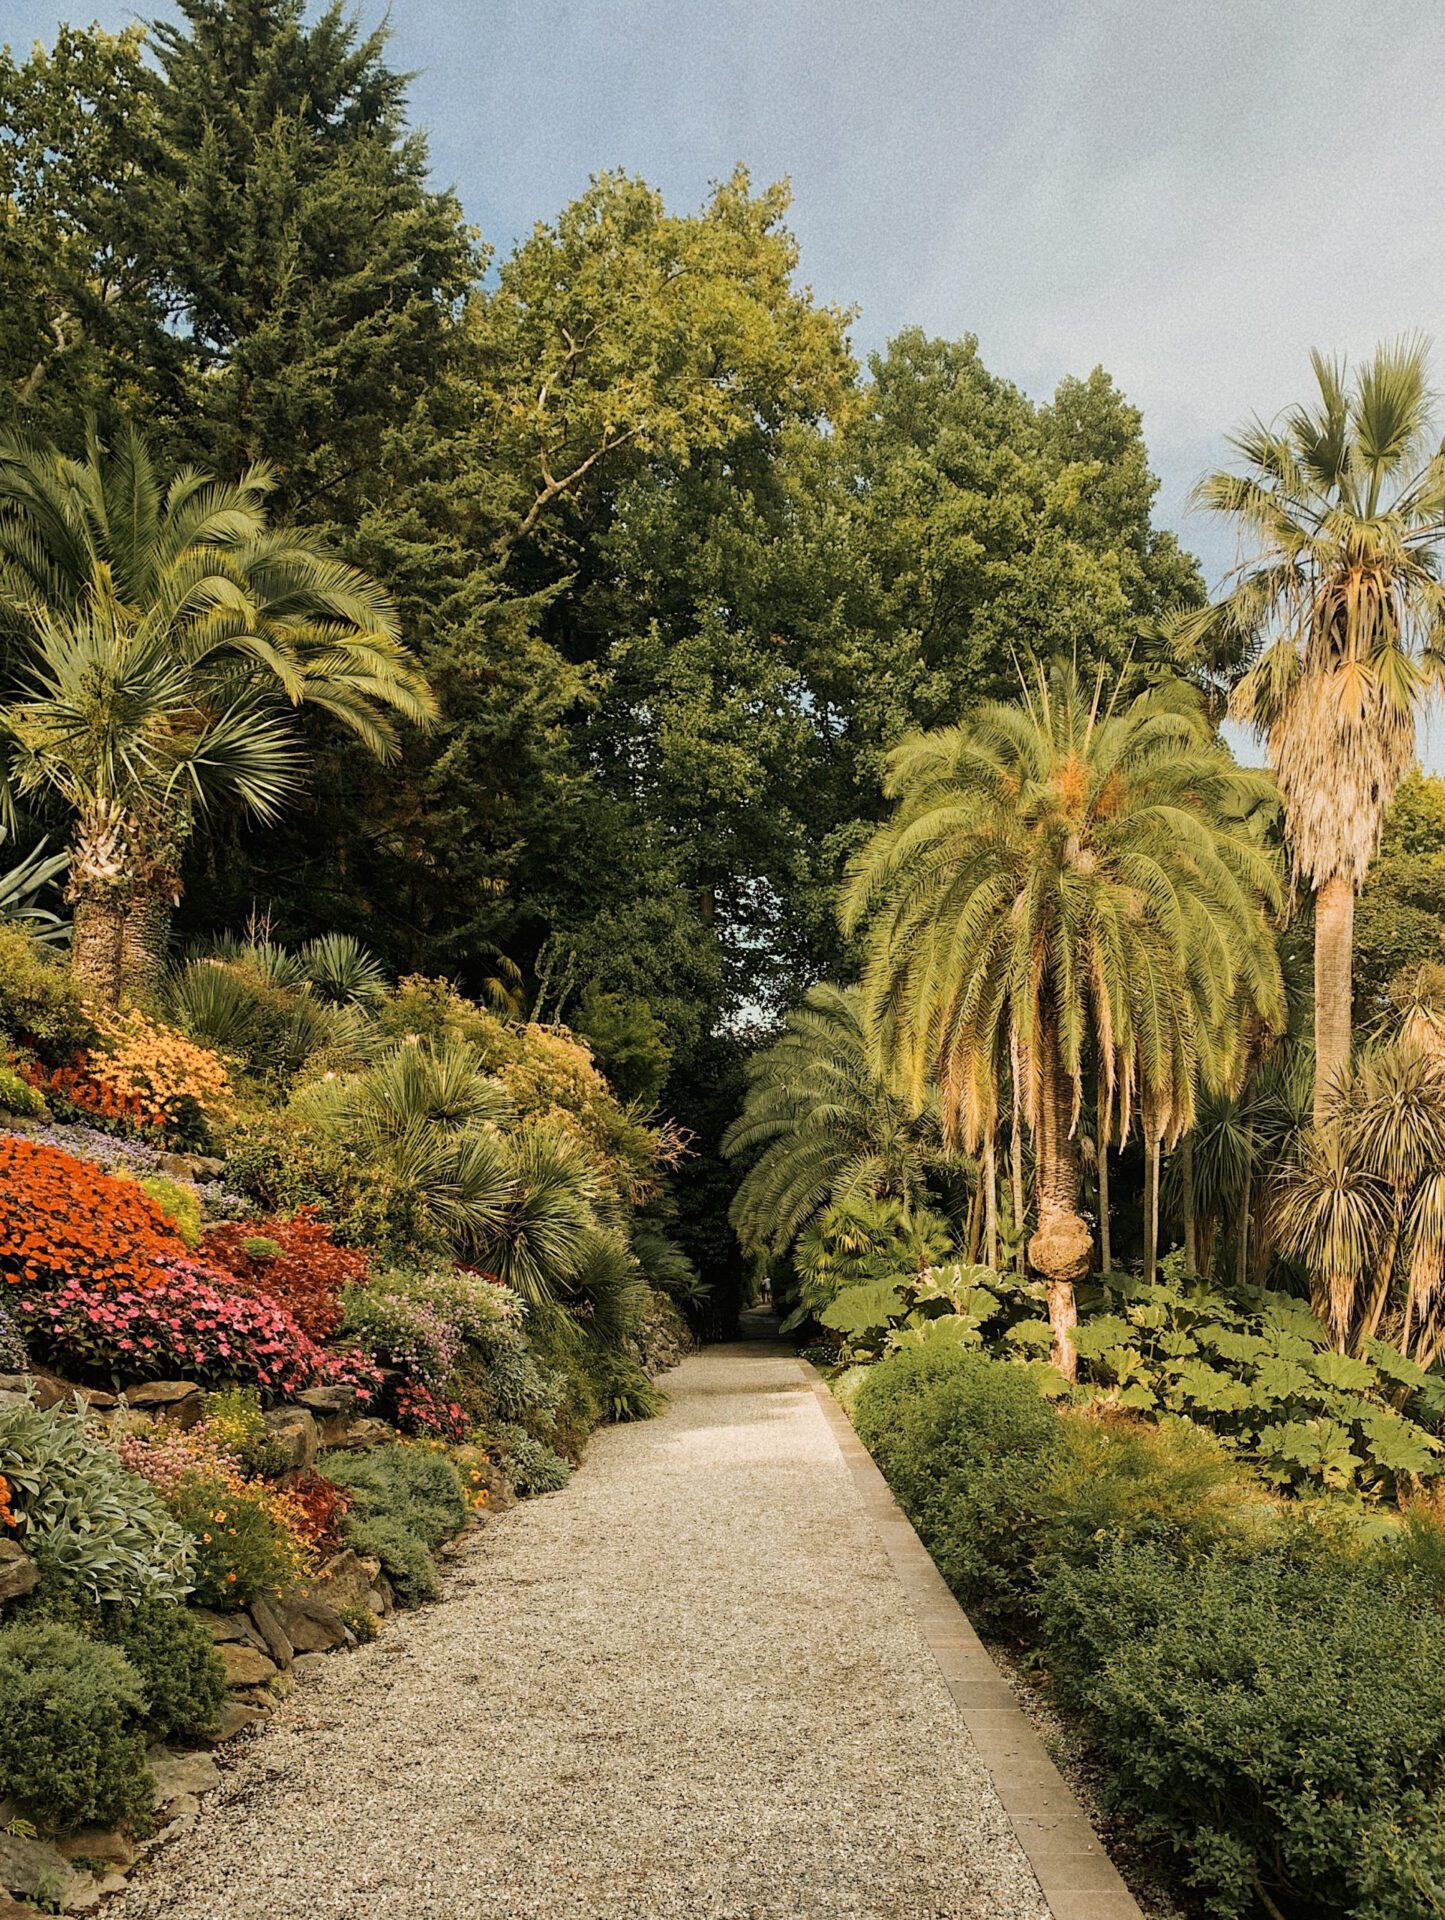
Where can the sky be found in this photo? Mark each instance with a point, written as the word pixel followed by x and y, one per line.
pixel 1192 193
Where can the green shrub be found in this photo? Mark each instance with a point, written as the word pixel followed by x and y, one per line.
pixel 180 1670
pixel 1118 1478
pixel 404 1502
pixel 626 1392
pixel 18 1096
pixel 234 1420
pixel 413 1485
pixel 40 1004
pixel 572 1366
pixel 179 1202
pixel 72 1749
pixel 531 1465
pixel 968 1446
pixel 240 1551
pixel 1276 1718
pixel 100 1527
pixel 404 1557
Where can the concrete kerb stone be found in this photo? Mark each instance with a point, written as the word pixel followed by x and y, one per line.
pixel 1076 1875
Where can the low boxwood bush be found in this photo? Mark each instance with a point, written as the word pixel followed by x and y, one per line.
pixel 1276 1719
pixel 72 1741
pixel 404 1556
pixel 968 1445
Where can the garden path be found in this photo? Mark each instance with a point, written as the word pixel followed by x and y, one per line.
pixel 689 1685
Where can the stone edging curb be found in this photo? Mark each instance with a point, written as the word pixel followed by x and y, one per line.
pixel 1076 1875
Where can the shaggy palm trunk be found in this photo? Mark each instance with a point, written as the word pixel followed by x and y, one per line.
pixel 1060 1248
pixel 990 1207
pixel 1334 993
pixel 146 939
pixel 1106 1259
pixel 97 939
pixel 1191 1225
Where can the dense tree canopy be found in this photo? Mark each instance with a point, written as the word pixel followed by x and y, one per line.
pixel 679 572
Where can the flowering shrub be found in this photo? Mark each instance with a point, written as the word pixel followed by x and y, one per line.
pixel 244 1539
pixel 418 1410
pixel 63 1220
pixel 119 1154
pixel 296 1263
pixel 164 1456
pixel 7 1512
pixel 168 1071
pixel 74 1090
pixel 183 1325
pixel 319 1506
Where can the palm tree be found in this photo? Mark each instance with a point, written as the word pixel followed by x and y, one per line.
pixel 166 633
pixel 826 1125
pixel 1065 877
pixel 1364 1205
pixel 1337 618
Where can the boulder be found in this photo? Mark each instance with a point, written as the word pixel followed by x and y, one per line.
pixel 295 1428
pixel 34 1867
pixel 18 1572
pixel 177 1774
pixel 50 1390
pixel 327 1400
pixel 245 1666
pixel 192 1166
pixel 235 1716
pixel 353 1435
pixel 311 1625
pixel 346 1580
pixel 267 1623
pixel 109 1844
pixel 178 1401
pixel 223 1626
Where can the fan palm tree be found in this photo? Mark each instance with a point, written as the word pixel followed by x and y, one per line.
pixel 823 1124
pixel 1336 618
pixel 1065 877
pixel 165 634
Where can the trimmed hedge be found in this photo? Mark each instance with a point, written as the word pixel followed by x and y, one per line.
pixel 1263 1677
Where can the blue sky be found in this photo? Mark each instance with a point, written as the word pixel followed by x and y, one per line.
pixel 1192 192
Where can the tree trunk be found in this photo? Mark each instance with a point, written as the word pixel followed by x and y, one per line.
pixel 1151 1203
pixel 1241 1245
pixel 1016 1163
pixel 1101 1129
pixel 1334 946
pixel 1059 1251
pixel 97 938
pixel 146 941
pixel 990 1207
pixel 1191 1228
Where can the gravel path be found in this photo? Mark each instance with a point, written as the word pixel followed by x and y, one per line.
pixel 686 1686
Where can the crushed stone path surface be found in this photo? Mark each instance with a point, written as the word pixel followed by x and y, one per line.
pixel 688 1685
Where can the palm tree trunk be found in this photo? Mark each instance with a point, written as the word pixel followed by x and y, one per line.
pixel 1016 1160
pixel 97 937
pixel 1241 1245
pixel 1151 1203
pixel 1334 948
pixel 1060 1248
pixel 990 1206
pixel 1191 1225
pixel 146 939
pixel 1101 1129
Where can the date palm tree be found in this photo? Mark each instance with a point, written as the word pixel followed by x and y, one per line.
pixel 162 635
pixel 823 1125
pixel 1336 619
pixel 1067 878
